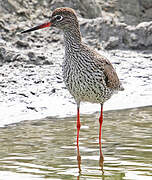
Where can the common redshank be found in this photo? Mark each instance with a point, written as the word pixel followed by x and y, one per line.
pixel 89 76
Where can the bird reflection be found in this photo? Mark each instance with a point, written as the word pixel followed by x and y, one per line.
pixel 79 159
pixel 101 159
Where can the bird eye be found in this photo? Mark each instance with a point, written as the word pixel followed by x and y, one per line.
pixel 58 17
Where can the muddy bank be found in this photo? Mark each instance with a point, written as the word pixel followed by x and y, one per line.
pixel 31 91
pixel 31 84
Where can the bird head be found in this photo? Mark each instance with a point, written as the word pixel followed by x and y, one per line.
pixel 62 18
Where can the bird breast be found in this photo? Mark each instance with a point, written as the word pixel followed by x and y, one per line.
pixel 84 80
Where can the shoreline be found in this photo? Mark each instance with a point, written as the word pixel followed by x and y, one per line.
pixel 38 91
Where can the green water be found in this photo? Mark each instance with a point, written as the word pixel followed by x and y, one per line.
pixel 46 149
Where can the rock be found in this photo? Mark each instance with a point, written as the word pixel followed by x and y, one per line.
pixel 46 62
pixel 32 108
pixel 53 90
pixel 112 43
pixel 87 8
pixel 7 55
pixel 2 54
pixel 118 36
pixel 130 11
pixel 31 55
pixel 22 44
pixel 20 57
pixel 41 57
pixel 146 4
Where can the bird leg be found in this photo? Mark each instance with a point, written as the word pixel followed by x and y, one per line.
pixel 101 155
pixel 78 123
pixel 78 129
pixel 100 122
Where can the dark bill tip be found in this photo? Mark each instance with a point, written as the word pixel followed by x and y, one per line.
pixel 48 24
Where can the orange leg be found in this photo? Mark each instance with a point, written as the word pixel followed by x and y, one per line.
pixel 78 130
pixel 100 122
pixel 78 124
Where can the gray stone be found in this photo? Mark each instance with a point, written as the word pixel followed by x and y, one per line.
pixel 112 43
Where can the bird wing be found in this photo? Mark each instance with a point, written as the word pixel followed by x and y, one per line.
pixel 111 77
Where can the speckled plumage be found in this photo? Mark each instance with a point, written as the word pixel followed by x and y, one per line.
pixel 88 75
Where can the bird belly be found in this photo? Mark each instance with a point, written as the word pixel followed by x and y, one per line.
pixel 84 87
pixel 92 92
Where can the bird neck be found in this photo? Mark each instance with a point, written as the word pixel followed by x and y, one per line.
pixel 72 38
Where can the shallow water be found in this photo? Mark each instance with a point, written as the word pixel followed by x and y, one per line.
pixel 46 149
